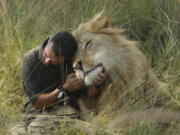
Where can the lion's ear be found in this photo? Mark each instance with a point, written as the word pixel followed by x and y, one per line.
pixel 100 22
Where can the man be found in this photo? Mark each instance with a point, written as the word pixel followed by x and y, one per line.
pixel 49 79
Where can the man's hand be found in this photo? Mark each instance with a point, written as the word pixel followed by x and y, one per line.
pixel 73 83
pixel 100 78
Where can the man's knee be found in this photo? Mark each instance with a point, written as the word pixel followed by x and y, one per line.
pixel 42 125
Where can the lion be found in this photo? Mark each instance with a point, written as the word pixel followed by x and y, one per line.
pixel 131 84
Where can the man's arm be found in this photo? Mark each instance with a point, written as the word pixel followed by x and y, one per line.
pixel 72 84
pixel 46 99
pixel 95 90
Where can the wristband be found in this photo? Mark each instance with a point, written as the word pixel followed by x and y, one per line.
pixel 62 93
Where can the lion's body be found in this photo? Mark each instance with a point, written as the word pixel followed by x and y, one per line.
pixel 131 81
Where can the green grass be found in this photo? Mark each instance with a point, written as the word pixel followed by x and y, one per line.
pixel 24 24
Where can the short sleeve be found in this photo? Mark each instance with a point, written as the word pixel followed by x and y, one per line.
pixel 31 82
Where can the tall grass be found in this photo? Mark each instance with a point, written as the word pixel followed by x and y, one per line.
pixel 24 24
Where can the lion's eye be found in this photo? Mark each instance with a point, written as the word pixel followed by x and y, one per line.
pixel 88 44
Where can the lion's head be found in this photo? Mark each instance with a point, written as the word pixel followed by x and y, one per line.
pixel 101 45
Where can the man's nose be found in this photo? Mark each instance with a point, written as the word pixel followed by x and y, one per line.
pixel 47 60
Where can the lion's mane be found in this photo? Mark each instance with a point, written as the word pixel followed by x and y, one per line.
pixel 131 81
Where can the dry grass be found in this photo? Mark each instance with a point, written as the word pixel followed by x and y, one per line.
pixel 25 24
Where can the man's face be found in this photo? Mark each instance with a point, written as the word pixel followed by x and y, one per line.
pixel 49 57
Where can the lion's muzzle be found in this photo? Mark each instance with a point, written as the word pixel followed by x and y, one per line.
pixel 88 76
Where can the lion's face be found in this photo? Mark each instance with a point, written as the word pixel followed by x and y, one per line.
pixel 88 61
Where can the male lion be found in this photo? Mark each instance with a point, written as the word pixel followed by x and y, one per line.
pixel 131 83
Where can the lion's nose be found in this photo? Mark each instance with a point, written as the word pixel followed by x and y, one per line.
pixel 78 65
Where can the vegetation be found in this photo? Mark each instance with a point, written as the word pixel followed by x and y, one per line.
pixel 24 24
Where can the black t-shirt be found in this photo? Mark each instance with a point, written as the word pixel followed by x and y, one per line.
pixel 38 78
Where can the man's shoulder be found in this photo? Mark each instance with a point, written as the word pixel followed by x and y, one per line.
pixel 31 57
pixel 32 53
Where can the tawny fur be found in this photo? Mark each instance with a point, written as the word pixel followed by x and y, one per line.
pixel 131 81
